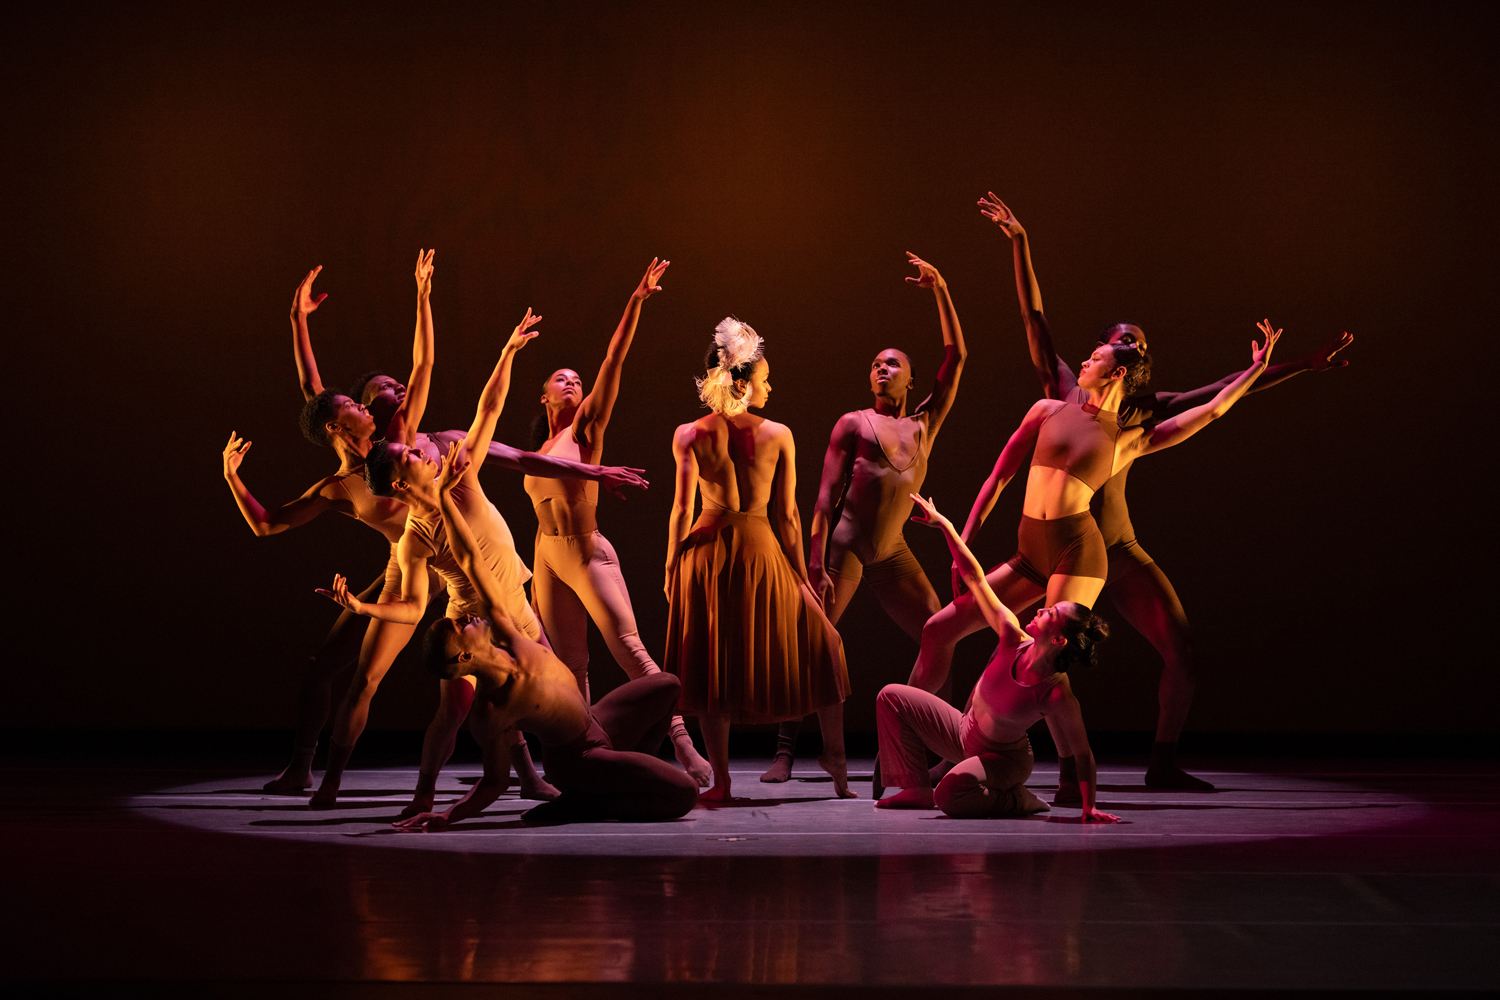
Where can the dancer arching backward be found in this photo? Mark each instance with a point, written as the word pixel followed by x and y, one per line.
pixel 395 468
pixel 332 419
pixel 1137 586
pixel 876 459
pixel 602 759
pixel 746 634
pixel 1026 680
pixel 576 573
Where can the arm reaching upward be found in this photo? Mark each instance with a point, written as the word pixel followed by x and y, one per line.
pixel 1170 404
pixel 262 521
pixel 465 548
pixel 683 498
pixel 492 400
pixel 838 462
pixel 1184 425
pixel 996 614
pixel 1056 377
pixel 595 410
pixel 303 304
pixel 408 415
pixel 954 352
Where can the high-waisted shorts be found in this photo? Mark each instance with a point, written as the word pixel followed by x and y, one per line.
pixel 1063 546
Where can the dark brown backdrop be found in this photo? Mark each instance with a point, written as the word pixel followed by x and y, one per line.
pixel 172 172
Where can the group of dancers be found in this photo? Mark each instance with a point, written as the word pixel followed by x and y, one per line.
pixel 752 634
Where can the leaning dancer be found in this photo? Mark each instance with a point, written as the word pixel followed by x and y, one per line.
pixel 1138 587
pixel 576 572
pixel 746 634
pixel 601 758
pixel 1025 680
pixel 401 470
pixel 331 419
pixel 876 459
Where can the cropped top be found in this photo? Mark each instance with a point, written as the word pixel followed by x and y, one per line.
pixel 1080 441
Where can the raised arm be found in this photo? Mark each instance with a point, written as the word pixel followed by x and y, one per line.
pixel 1061 709
pixel 1184 425
pixel 1170 404
pixel 996 614
pixel 408 609
pixel 465 548
pixel 1012 457
pixel 838 463
pixel 1057 378
pixel 614 478
pixel 408 415
pixel 683 498
pixel 276 520
pixel 788 518
pixel 954 352
pixel 595 410
pixel 303 305
pixel 492 400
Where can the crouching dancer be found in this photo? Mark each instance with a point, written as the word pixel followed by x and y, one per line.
pixel 1026 680
pixel 601 759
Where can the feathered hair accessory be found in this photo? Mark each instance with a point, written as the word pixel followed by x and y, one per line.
pixel 737 348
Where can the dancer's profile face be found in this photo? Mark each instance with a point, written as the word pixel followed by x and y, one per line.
pixel 1048 625
pixel 1098 368
pixel 758 385
pixel 413 465
pixel 384 393
pixel 563 389
pixel 353 418
pixel 890 373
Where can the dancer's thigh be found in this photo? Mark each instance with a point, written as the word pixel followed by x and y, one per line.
pixel 383 640
pixel 1147 600
pixel 1014 590
pixel 909 601
pixel 629 785
pixel 632 713
pixel 928 718
pixel 1079 589
pixel 562 615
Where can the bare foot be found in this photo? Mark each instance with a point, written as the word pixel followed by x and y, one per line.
pixel 288 784
pixel 836 767
pixel 693 763
pixel 1168 777
pixel 419 804
pixel 324 798
pixel 780 769
pixel 908 798
pixel 715 795
pixel 536 787
pixel 1068 795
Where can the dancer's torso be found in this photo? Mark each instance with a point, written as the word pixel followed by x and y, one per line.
pixel 565 506
pixel 737 461
pixel 1074 457
pixel 384 514
pixel 890 464
pixel 497 548
pixel 1004 708
pixel 1109 507
pixel 541 696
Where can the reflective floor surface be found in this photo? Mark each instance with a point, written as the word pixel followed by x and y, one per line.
pixel 1293 876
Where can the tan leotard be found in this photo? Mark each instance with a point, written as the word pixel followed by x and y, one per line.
pixel 385 514
pixel 496 546
pixel 1080 440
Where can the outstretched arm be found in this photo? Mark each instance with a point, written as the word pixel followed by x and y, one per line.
pixel 954 352
pixel 304 304
pixel 614 478
pixel 996 614
pixel 408 609
pixel 262 521
pixel 838 462
pixel 408 415
pixel 597 407
pixel 1062 711
pixel 476 442
pixel 1323 359
pixel 683 499
pixel 1056 377
pixel 1178 429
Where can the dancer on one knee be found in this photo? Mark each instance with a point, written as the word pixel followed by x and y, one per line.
pixel 576 572
pixel 399 469
pixel 601 759
pixel 1025 680
pixel 876 459
pixel 1137 586
pixel 332 419
pixel 746 634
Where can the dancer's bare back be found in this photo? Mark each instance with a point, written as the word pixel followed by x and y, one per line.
pixel 736 459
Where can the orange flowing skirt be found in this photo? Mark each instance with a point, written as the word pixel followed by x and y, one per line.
pixel 746 637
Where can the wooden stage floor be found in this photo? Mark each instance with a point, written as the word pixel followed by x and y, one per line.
pixel 1301 876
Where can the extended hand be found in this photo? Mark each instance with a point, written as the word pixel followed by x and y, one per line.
pixel 649 285
pixel 615 478
pixel 455 464
pixel 428 822
pixel 234 454
pixel 339 594
pixel 1323 358
pixel 1261 355
pixel 523 332
pixel 424 273
pixel 992 208
pixel 1094 815
pixel 929 514
pixel 302 299
pixel 927 275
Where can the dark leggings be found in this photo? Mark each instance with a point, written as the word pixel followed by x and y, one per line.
pixel 612 771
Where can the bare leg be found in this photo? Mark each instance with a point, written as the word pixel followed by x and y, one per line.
pixel 564 619
pixel 716 742
pixel 455 697
pixel 832 760
pixel 945 628
pixel 531 784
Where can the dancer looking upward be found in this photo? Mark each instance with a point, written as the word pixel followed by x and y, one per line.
pixel 601 758
pixel 877 458
pixel 1025 680
pixel 1136 584
pixel 577 573
pixel 746 634
pixel 334 420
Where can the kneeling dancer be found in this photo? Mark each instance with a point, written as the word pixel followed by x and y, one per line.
pixel 594 757
pixel 1025 681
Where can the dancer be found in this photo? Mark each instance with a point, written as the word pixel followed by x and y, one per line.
pixel 1138 587
pixel 1025 680
pixel 746 634
pixel 334 420
pixel 876 459
pixel 601 758
pixel 576 571
pixel 400 469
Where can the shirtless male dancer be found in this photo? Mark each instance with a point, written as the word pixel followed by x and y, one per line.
pixel 876 459
pixel 1138 587
pixel 398 469
pixel 601 757
pixel 332 419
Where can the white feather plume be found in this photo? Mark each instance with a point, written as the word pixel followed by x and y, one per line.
pixel 738 344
